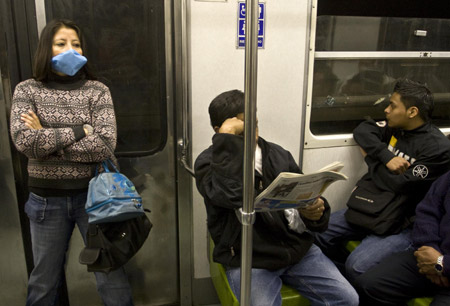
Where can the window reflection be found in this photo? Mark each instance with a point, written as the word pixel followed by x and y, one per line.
pixel 352 33
pixel 347 91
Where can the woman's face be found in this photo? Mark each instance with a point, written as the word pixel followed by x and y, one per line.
pixel 64 40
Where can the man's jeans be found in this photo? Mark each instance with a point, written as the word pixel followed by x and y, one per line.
pixel 52 221
pixel 315 277
pixel 370 252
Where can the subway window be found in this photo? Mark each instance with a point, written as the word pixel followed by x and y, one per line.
pixel 347 91
pixel 358 59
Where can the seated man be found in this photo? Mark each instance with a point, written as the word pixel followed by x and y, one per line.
pixel 404 156
pixel 422 271
pixel 283 249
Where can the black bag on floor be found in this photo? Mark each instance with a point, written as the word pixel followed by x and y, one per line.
pixel 110 245
pixel 378 211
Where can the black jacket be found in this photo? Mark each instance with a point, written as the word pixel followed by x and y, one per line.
pixel 426 148
pixel 219 175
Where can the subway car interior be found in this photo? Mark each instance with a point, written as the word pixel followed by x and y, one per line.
pixel 323 66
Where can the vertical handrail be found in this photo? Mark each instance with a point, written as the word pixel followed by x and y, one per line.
pixel 181 94
pixel 247 211
pixel 183 143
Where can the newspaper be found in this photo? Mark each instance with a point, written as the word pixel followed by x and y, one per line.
pixel 293 190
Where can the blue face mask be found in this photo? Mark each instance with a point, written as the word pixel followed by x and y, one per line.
pixel 68 62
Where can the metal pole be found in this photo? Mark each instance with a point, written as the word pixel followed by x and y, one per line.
pixel 247 211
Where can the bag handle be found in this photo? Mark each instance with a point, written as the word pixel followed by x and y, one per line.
pixel 105 166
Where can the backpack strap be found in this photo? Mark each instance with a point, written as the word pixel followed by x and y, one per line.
pixel 90 254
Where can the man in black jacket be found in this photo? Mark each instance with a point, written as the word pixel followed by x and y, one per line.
pixel 283 247
pixel 405 154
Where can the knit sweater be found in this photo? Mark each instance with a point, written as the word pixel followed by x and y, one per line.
pixel 60 155
pixel 432 226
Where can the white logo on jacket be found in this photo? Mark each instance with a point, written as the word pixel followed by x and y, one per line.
pixel 381 123
pixel 420 171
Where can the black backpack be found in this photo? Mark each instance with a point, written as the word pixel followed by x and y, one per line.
pixel 377 211
pixel 110 245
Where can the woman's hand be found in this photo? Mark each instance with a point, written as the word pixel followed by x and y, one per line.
pixel 31 120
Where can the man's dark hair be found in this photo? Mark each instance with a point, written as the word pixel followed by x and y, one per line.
pixel 416 94
pixel 226 105
pixel 42 67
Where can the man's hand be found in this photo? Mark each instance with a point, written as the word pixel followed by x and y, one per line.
pixel 426 259
pixel 232 126
pixel 441 281
pixel 31 120
pixel 364 154
pixel 313 212
pixel 398 165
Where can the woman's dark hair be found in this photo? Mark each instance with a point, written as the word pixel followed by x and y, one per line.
pixel 416 94
pixel 42 67
pixel 226 105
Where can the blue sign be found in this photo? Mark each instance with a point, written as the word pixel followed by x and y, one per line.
pixel 241 25
pixel 241 29
pixel 241 9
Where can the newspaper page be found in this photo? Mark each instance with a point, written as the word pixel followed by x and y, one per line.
pixel 293 190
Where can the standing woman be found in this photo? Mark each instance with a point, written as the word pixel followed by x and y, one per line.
pixel 63 121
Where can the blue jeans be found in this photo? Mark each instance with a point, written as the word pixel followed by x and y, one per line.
pixel 315 277
pixel 369 253
pixel 52 221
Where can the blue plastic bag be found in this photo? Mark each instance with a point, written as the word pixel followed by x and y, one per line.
pixel 112 197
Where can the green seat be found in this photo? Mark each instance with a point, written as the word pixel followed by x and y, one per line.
pixel 424 301
pixel 351 245
pixel 289 296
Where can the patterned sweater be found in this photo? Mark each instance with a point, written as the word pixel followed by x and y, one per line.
pixel 60 155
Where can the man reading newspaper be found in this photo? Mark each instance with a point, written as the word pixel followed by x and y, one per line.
pixel 283 249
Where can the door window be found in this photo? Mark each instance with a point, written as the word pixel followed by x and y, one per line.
pixel 125 42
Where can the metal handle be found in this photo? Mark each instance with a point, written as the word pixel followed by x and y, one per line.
pixel 251 65
pixel 183 159
pixel 185 111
